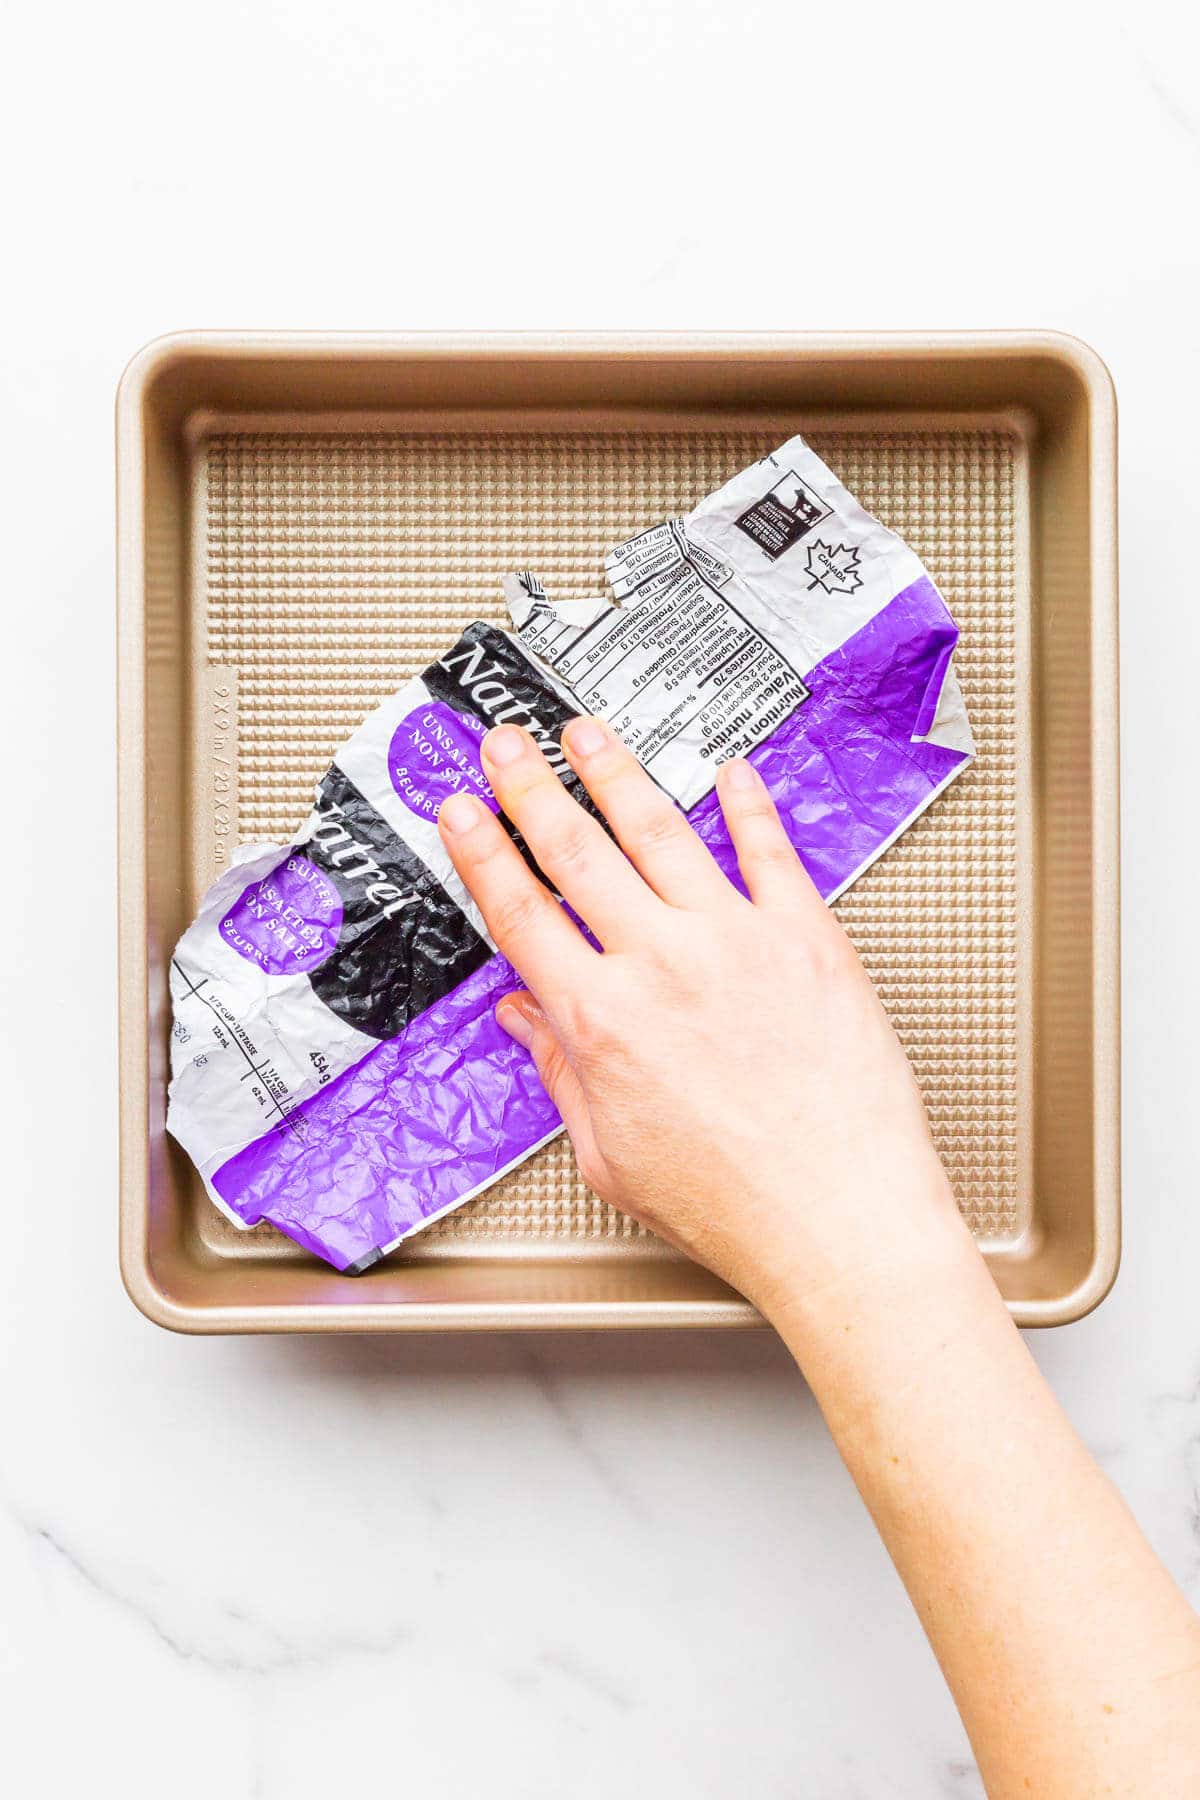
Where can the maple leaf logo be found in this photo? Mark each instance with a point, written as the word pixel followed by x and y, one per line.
pixel 833 567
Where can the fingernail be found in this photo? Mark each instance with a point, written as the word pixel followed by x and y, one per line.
pixel 519 1015
pixel 584 737
pixel 505 744
pixel 461 812
pixel 738 774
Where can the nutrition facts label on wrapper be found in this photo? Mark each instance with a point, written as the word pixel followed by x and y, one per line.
pixel 680 674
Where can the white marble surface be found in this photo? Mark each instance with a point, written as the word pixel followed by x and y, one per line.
pixel 578 1566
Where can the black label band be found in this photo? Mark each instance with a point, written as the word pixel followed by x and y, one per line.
pixel 403 941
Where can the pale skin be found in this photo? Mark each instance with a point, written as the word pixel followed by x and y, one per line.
pixel 728 1076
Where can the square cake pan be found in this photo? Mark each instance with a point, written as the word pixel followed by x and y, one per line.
pixel 304 521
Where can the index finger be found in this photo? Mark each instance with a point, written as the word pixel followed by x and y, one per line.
pixel 572 848
pixel 527 923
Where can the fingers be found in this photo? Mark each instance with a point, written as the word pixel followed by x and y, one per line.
pixel 773 873
pixel 650 829
pixel 524 1020
pixel 521 913
pixel 571 847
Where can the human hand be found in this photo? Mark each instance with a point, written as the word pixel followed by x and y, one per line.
pixel 725 1070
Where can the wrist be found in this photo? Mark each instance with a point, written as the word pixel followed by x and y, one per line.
pixel 889 1255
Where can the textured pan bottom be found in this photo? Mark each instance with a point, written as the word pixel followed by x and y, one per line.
pixel 334 567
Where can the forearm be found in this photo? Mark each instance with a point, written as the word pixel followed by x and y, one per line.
pixel 1073 1660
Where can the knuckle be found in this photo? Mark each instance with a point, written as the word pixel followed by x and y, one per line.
pixel 776 856
pixel 588 1025
pixel 515 914
pixel 829 954
pixel 762 816
pixel 755 803
pixel 659 828
pixel 564 848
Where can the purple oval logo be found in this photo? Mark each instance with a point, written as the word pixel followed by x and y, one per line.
pixel 434 753
pixel 287 921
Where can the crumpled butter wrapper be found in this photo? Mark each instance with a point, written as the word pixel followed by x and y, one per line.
pixel 336 1065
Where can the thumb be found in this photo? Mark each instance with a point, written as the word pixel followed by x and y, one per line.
pixel 520 1015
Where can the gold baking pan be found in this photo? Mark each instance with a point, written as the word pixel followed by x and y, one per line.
pixel 304 521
